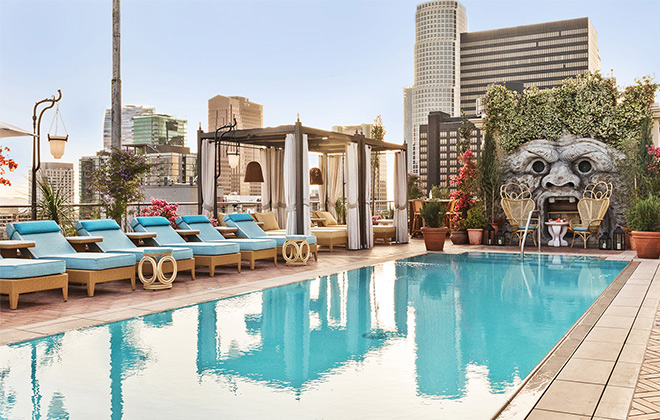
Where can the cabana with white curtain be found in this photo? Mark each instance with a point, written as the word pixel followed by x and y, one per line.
pixel 285 165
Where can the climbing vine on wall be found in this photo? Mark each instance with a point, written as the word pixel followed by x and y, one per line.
pixel 587 105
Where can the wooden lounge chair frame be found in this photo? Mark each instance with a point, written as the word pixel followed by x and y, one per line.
pixel 92 277
pixel 14 287
pixel 260 254
pixel 212 261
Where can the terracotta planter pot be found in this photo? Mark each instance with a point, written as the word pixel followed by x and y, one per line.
pixel 476 235
pixel 434 238
pixel 647 243
pixel 459 237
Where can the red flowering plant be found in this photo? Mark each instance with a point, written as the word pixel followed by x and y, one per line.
pixel 465 183
pixel 8 163
pixel 162 208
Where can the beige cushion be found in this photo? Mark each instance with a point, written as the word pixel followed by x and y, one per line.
pixel 221 221
pixel 329 219
pixel 268 219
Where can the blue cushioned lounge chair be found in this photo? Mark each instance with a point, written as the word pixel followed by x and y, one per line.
pixel 22 276
pixel 251 249
pixel 206 254
pixel 88 268
pixel 114 240
pixel 246 227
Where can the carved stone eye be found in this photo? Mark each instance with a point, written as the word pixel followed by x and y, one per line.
pixel 584 166
pixel 538 166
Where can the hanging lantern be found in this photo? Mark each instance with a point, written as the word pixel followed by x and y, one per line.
pixel 315 176
pixel 618 239
pixel 604 242
pixel 500 239
pixel 233 158
pixel 57 144
pixel 489 235
pixel 253 172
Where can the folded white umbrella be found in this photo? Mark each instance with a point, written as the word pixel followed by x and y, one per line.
pixel 8 130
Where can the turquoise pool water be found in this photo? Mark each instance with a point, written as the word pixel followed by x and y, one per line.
pixel 435 336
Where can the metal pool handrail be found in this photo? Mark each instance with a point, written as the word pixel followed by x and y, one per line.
pixel 538 227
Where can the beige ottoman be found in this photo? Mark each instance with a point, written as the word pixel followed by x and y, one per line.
pixel 330 238
pixel 386 233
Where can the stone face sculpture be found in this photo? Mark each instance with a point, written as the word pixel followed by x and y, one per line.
pixel 562 169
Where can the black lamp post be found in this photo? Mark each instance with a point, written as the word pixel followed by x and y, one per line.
pixel 36 145
pixel 216 170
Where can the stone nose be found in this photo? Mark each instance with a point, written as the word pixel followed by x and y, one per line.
pixel 560 175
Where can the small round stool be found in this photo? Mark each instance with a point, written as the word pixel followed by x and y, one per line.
pixel 157 258
pixel 296 251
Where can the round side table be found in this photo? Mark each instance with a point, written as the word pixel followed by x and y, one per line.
pixel 157 280
pixel 296 251
pixel 557 231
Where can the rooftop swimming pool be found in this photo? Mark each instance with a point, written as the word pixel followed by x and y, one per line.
pixel 434 336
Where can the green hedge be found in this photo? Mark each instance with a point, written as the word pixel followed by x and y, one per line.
pixel 588 105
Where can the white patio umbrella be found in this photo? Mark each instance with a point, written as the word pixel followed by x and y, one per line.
pixel 8 130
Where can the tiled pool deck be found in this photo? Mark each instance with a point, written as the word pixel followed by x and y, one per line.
pixel 594 373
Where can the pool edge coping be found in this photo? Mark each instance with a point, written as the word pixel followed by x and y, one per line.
pixel 88 320
pixel 542 385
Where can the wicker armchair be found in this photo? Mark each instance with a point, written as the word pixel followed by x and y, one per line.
pixel 591 208
pixel 517 203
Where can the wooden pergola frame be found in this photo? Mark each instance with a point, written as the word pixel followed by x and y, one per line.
pixel 319 141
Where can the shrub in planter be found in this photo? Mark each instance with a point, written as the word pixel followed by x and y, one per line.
pixel 644 222
pixel 434 235
pixel 475 222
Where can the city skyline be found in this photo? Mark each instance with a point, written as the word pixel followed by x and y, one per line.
pixel 329 61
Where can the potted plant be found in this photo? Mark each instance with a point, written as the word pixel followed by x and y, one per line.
pixel 434 235
pixel 475 222
pixel 644 222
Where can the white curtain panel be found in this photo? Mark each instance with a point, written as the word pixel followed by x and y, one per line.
pixel 277 197
pixel 290 169
pixel 305 186
pixel 264 157
pixel 400 198
pixel 323 166
pixel 208 178
pixel 290 183
pixel 367 205
pixel 335 185
pixel 352 214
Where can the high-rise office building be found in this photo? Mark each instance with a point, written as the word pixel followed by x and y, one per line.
pixel 541 55
pixel 222 111
pixel 128 112
pixel 407 119
pixel 438 25
pixel 159 129
pixel 440 148
pixel 59 175
pixel 380 173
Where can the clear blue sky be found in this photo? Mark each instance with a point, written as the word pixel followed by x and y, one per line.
pixel 334 62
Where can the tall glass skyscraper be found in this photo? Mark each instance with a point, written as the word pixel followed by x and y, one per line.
pixel 437 66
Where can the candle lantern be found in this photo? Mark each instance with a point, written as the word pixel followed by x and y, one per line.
pixel 619 239
pixel 500 240
pixel 604 242
pixel 489 235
